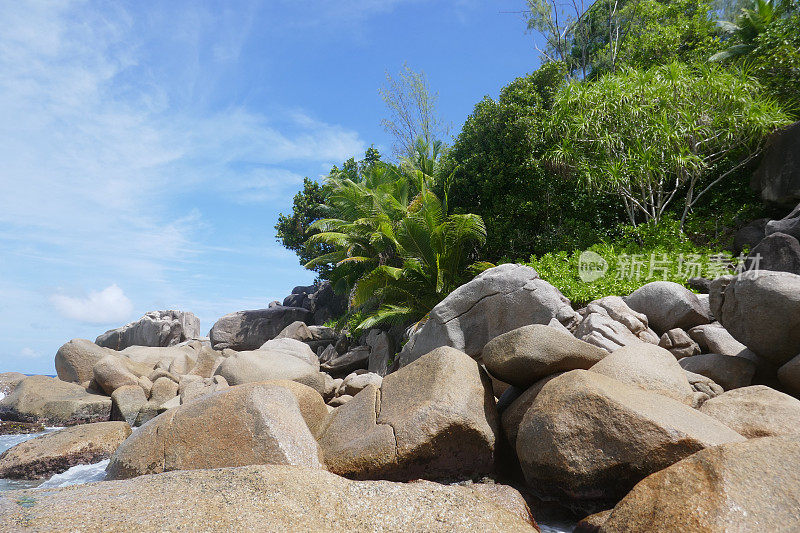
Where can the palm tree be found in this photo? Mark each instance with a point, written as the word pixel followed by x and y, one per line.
pixel 748 25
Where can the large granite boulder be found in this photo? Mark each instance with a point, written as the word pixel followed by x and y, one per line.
pixel 265 365
pixel 433 419
pixel 777 252
pixel 587 439
pixel 76 359
pixel 668 305
pixel 320 299
pixel 112 372
pixel 266 498
pixel 789 375
pixel 162 357
pixel 713 338
pixel 126 402
pixel 250 424
pixel 9 382
pixel 756 411
pixel 292 347
pixel 679 343
pixel 53 453
pixel 155 328
pixel 729 371
pixel 651 368
pixel 525 355
pixel 740 486
pixel 248 330
pixel 356 358
pixel 498 300
pixel 778 176
pixel 750 235
pixel 762 311
pixel 512 415
pixel 315 337
pixel 53 402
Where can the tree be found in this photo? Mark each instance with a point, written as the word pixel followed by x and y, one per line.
pixel 412 110
pixel 498 173
pixel 294 230
pixel 670 133
pixel 751 22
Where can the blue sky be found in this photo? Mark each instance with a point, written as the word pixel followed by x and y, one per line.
pixel 148 147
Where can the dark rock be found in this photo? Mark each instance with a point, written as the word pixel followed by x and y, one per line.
pixel 701 285
pixel 777 252
pixel 357 358
pixel 249 330
pixel 778 176
pixel 750 235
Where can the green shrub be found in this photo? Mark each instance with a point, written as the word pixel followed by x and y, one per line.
pixel 636 256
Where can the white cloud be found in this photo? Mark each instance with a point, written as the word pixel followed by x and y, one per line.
pixel 29 353
pixel 104 307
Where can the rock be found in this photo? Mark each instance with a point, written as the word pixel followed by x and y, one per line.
pixel 498 300
pixel 164 389
pixel 181 365
pixel 679 343
pixel 266 498
pixel 789 375
pixel 192 390
pixel 762 311
pixel 76 359
pixel 155 328
pixel 9 381
pixel 615 308
pixel 126 402
pixel 701 285
pixel 587 438
pixel 356 358
pixel 750 235
pixel 53 402
pixel 53 453
pixel 703 384
pixel 146 385
pixel 312 406
pixel 776 252
pixel 713 338
pixel 592 523
pixel 207 363
pixel 605 332
pixel 380 351
pixel 261 365
pixel 249 424
pixel 340 400
pixel 667 306
pixel 111 373
pixel 729 371
pixel 527 354
pixel 315 337
pixel 778 176
pixel 434 419
pixel 294 348
pixel 512 416
pixel 741 486
pixel 169 404
pixel 788 225
pixel 159 373
pixel 296 330
pixel 355 383
pixel 158 357
pixel 247 330
pixel 650 368
pixel 20 428
pixel 328 353
pixel 756 411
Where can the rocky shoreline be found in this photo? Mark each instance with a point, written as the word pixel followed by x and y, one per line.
pixel 661 411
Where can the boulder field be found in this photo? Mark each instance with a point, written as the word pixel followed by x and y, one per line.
pixel 651 412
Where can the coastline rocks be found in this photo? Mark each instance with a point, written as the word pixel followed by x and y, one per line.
pixel 266 498
pixel 155 328
pixel 357 358
pixel 76 359
pixel 587 438
pixel 292 347
pixel 713 338
pixel 679 343
pixel 126 402
pixel 161 357
pixel 248 330
pixel 498 300
pixel 9 381
pixel 53 402
pixel 668 305
pixel 250 424
pixel 56 452
pixel 756 411
pixel 605 332
pixel 778 176
pixel 111 373
pixel 729 371
pixel 762 311
pixel 513 414
pixel 703 384
pixel 742 486
pixel 777 252
pixel 651 368
pixel 258 365
pixel 789 375
pixel 434 419
pixel 525 355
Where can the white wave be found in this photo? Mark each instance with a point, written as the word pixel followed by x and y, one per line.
pixel 78 475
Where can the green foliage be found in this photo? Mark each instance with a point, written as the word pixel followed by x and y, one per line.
pixel 751 22
pixel 497 173
pixel 635 256
pixel 667 134
pixel 294 230
pixel 775 61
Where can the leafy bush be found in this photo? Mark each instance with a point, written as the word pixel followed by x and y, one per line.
pixel 638 255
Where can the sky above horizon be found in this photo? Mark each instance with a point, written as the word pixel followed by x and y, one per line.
pixel 148 147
